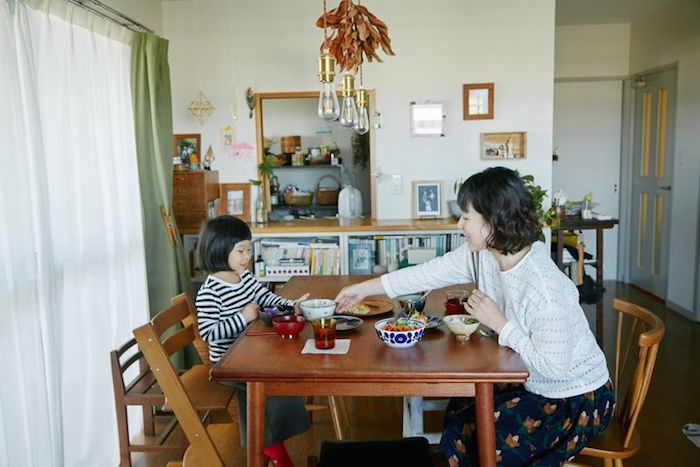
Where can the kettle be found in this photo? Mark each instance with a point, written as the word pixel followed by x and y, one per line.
pixel 349 202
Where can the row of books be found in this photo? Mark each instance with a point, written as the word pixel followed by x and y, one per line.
pixel 396 251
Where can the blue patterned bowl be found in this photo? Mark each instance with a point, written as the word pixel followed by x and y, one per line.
pixel 399 339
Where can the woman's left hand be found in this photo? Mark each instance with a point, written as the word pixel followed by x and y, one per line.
pixel 485 310
pixel 297 310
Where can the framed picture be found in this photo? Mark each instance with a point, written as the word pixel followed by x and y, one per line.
pixel 478 101
pixel 426 119
pixel 186 144
pixel 508 145
pixel 427 198
pixel 234 199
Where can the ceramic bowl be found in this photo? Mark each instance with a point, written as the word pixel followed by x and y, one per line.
pixel 317 308
pixel 462 326
pixel 288 327
pixel 400 339
pixel 270 312
pixel 410 302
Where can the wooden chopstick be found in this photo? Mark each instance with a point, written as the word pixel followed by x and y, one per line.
pixel 260 333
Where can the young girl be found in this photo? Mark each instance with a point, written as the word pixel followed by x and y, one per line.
pixel 522 295
pixel 227 302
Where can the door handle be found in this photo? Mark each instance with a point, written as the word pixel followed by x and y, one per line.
pixel 665 188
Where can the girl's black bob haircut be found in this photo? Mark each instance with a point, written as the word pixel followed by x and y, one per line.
pixel 500 196
pixel 217 239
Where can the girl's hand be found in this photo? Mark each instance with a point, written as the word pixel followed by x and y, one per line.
pixel 485 310
pixel 251 311
pixel 297 310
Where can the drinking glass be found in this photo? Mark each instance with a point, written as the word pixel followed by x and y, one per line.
pixel 324 333
pixel 454 303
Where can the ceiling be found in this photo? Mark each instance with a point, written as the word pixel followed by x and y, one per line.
pixel 574 12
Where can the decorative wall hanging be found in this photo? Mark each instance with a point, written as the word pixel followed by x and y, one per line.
pixel 478 101
pixel 356 35
pixel 505 145
pixel 250 100
pixel 184 145
pixel 200 108
pixel 426 119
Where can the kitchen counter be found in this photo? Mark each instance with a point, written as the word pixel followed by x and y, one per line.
pixel 328 225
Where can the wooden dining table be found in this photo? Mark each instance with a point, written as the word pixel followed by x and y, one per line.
pixel 438 366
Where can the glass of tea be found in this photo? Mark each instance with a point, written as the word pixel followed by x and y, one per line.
pixel 324 333
pixel 454 303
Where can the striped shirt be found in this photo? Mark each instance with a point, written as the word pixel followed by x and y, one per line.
pixel 219 305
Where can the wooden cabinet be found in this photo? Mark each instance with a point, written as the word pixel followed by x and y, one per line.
pixel 193 191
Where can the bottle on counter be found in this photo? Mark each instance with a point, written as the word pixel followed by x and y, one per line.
pixel 259 266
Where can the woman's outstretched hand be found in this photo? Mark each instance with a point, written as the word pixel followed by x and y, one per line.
pixel 297 309
pixel 348 296
pixel 481 307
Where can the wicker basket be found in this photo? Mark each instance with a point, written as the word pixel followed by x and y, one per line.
pixel 289 143
pixel 297 200
pixel 326 196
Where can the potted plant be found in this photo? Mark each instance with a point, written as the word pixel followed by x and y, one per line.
pixel 545 216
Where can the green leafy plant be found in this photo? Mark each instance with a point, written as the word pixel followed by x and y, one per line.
pixel 545 216
pixel 266 166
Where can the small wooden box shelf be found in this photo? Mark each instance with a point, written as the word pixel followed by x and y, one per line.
pixel 193 190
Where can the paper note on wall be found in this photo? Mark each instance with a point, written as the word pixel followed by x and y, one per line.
pixel 243 152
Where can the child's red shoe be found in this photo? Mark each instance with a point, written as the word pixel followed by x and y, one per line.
pixel 279 455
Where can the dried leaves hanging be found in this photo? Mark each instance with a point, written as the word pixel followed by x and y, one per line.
pixel 356 34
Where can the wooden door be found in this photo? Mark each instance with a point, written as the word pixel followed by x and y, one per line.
pixel 654 134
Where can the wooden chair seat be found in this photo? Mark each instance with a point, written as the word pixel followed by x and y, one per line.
pixel 612 441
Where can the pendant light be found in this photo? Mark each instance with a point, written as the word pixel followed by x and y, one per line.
pixel 328 108
pixel 361 125
pixel 348 109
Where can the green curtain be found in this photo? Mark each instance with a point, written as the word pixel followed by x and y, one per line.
pixel 167 270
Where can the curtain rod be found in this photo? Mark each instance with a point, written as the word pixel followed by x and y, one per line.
pixel 109 13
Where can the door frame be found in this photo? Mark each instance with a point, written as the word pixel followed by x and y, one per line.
pixel 629 97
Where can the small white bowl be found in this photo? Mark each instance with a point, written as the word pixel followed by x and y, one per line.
pixel 317 308
pixel 400 339
pixel 462 326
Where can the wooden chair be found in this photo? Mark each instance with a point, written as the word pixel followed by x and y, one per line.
pixel 210 446
pixel 336 405
pixel 143 391
pixel 620 440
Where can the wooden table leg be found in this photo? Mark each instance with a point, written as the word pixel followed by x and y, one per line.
pixel 599 282
pixel 256 424
pixel 485 425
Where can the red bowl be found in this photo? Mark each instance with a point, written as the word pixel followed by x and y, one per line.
pixel 288 327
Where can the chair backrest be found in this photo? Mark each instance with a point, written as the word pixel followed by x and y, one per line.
pixel 199 344
pixel 635 325
pixel 157 350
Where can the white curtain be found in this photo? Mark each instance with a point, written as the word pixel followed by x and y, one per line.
pixel 72 266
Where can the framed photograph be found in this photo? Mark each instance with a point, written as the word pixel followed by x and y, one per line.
pixel 186 144
pixel 234 199
pixel 478 101
pixel 427 198
pixel 427 119
pixel 508 145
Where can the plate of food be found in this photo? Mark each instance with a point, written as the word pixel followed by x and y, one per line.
pixel 346 323
pixel 370 307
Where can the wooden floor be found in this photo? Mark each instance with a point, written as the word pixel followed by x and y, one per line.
pixel 673 398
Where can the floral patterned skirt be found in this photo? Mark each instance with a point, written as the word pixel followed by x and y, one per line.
pixel 530 429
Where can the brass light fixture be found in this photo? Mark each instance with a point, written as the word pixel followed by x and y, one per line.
pixel 348 108
pixel 328 108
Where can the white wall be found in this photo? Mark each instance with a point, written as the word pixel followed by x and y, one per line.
pixel 273 46
pixel 670 36
pixel 596 50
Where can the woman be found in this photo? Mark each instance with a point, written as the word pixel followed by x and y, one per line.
pixel 522 295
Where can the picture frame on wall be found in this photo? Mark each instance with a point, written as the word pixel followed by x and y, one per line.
pixel 186 144
pixel 234 200
pixel 478 101
pixel 427 198
pixel 504 145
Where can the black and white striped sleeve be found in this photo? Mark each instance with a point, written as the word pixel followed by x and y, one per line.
pixel 212 325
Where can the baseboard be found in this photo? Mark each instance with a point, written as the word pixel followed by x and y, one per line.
pixel 682 311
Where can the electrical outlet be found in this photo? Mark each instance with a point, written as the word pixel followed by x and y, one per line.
pixel 396 184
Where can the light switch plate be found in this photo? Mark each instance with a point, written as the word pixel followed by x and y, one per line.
pixel 396 184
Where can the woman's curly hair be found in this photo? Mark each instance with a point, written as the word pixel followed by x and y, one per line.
pixel 500 196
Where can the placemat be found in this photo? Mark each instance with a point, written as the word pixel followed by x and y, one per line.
pixel 341 346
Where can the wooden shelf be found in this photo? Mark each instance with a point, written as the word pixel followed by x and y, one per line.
pixel 307 166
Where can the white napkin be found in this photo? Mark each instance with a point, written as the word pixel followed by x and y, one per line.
pixel 341 346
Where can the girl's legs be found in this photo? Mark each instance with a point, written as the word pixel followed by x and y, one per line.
pixel 529 428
